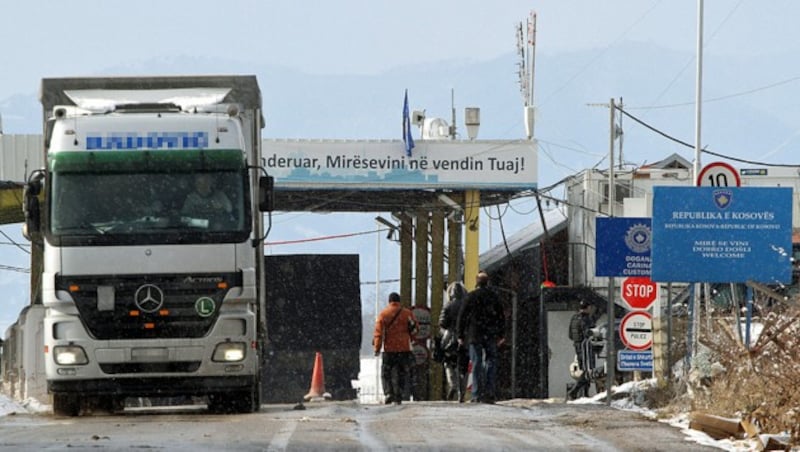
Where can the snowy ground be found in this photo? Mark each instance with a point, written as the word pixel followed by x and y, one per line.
pixel 681 421
pixel 8 406
pixel 370 393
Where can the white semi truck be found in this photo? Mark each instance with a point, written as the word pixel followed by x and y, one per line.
pixel 152 236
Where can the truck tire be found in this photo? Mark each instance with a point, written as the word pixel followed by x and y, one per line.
pixel 218 403
pixel 251 400
pixel 243 402
pixel 246 401
pixel 66 405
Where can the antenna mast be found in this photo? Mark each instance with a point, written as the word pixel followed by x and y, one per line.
pixel 526 47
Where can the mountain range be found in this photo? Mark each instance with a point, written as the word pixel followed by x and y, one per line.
pixel 749 113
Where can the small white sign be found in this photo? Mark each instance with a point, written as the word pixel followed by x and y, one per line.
pixel 423 315
pixel 636 330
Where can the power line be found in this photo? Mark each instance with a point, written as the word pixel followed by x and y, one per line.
pixel 555 162
pixel 13 242
pixel 513 209
pixel 704 150
pixel 600 54
pixel 14 269
pixel 692 59
pixel 326 237
pixel 725 97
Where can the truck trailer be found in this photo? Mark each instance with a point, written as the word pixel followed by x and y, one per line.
pixel 149 217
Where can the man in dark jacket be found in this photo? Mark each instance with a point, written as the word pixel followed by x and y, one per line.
pixel 481 325
pixel 456 356
pixel 580 326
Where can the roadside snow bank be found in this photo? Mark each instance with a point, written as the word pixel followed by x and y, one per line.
pixel 8 406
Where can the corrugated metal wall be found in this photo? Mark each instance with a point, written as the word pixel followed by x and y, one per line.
pixel 19 155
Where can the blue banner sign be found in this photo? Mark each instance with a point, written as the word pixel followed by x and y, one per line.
pixel 631 361
pixel 722 234
pixel 623 247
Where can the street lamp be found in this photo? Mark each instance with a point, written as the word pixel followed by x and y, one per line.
pixel 392 227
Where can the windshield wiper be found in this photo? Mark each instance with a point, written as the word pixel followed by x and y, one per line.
pixel 83 226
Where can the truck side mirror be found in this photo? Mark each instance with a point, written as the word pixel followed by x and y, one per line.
pixel 30 207
pixel 266 194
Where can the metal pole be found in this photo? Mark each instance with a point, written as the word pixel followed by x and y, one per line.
pixel 437 295
pixel 690 328
pixel 514 320
pixel 698 91
pixel 620 136
pixel 668 370
pixel 472 205
pixel 453 112
pixel 532 55
pixel 697 148
pixel 611 356
pixel 406 262
pixel 377 304
pixel 749 316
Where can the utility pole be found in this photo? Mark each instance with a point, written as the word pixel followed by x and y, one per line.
pixel 611 354
pixel 698 91
pixel 695 320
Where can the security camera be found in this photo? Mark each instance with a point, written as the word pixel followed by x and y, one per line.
pixel 418 117
pixel 385 222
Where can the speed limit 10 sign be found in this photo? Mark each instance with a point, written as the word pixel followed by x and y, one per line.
pixel 718 174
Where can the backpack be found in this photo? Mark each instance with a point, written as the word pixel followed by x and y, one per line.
pixel 576 328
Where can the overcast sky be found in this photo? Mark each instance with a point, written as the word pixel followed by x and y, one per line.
pixel 85 37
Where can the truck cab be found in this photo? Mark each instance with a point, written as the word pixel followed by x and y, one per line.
pixel 151 229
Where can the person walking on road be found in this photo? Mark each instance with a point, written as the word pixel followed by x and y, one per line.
pixel 580 326
pixel 481 325
pixel 456 356
pixel 393 331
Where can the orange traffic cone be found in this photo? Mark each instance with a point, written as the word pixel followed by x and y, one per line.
pixel 317 390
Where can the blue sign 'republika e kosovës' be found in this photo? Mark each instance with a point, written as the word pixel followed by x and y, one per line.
pixel 722 234
pixel 623 247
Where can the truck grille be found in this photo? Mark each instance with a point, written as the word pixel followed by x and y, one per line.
pixel 134 307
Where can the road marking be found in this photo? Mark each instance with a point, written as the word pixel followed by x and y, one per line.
pixel 280 441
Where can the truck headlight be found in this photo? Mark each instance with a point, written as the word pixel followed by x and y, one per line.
pixel 229 352
pixel 69 355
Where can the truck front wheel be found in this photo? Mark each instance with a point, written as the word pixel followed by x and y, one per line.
pixel 247 401
pixel 66 405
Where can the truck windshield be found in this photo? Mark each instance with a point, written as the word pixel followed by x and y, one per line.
pixel 117 208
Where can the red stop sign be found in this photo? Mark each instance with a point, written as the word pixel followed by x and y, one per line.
pixel 639 292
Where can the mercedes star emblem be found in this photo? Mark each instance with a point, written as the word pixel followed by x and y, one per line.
pixel 148 298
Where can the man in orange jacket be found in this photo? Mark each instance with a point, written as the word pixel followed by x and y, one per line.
pixel 393 331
